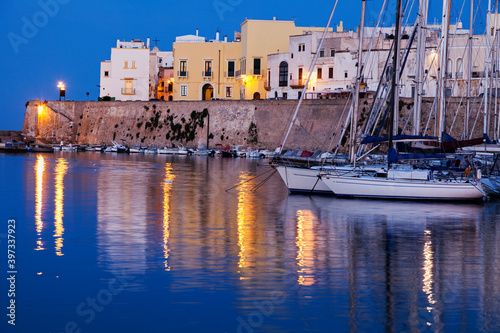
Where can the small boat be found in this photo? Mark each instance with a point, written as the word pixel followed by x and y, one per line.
pixel 136 150
pixel 41 149
pixel 174 150
pixel 69 147
pixel 116 148
pixel 150 151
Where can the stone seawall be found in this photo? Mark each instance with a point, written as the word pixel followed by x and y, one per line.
pixel 255 123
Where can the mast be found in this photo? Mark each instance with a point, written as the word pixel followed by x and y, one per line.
pixel 395 76
pixel 469 69
pixel 355 111
pixel 444 66
pixel 487 69
pixel 419 75
pixel 495 68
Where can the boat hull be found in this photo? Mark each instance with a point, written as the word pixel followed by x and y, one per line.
pixel 372 187
pixel 301 180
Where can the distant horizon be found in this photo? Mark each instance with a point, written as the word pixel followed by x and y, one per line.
pixel 48 41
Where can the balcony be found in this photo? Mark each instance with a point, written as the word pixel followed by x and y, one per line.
pixel 206 74
pixel 257 72
pixel 128 91
pixel 297 84
pixel 238 73
pixel 460 75
pixel 182 74
pixel 267 86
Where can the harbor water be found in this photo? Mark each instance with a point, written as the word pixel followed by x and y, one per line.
pixel 155 243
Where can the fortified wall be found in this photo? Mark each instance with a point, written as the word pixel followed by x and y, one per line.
pixel 255 123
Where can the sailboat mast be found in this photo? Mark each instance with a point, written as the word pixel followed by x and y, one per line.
pixel 495 69
pixel 395 75
pixel 469 69
pixel 355 111
pixel 419 75
pixel 444 69
pixel 487 70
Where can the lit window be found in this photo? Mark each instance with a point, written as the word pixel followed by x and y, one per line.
pixel 320 73
pixel 125 65
pixel 133 65
pixel 184 90
pixel 183 68
pixel 229 92
pixel 208 69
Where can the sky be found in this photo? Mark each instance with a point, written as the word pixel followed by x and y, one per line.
pixel 46 41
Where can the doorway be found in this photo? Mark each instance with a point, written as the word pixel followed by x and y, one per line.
pixel 207 92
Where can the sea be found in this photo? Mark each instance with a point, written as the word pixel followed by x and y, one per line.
pixel 98 242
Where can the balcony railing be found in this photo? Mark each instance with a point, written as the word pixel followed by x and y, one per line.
pixel 128 91
pixel 182 74
pixel 238 73
pixel 257 71
pixel 297 84
pixel 206 74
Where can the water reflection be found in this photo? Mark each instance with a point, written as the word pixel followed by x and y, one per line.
pixel 61 169
pixel 39 173
pixel 167 185
pixel 243 218
pixel 305 243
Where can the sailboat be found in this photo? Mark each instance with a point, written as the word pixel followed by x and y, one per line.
pixel 401 181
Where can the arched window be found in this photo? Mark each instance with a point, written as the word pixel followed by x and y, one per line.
pixel 283 74
pixel 449 69
pixel 460 69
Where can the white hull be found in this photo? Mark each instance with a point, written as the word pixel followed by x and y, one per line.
pixel 483 148
pixel 372 187
pixel 172 151
pixel 302 180
pixel 491 186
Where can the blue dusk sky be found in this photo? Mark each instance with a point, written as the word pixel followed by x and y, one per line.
pixel 46 41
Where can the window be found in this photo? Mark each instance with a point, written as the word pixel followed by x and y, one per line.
pixel 300 75
pixel 283 74
pixel 230 68
pixel 302 47
pixel 299 95
pixel 125 65
pixel 330 72
pixel 332 53
pixel 320 73
pixel 183 68
pixel 129 87
pixel 106 73
pixel 208 69
pixel 291 55
pixel 345 74
pixel 170 86
pixel 184 90
pixel 322 53
pixel 229 92
pixel 256 66
pixel 133 65
pixel 243 66
pixel 285 95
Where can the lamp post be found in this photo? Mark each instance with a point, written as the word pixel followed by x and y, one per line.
pixel 62 90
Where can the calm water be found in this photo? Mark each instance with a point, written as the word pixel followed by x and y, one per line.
pixel 119 243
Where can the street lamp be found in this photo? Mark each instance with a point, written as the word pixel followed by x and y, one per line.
pixel 62 90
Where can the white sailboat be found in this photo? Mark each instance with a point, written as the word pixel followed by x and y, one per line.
pixel 405 182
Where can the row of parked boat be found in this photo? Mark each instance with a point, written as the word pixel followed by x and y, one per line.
pixel 229 151
pixel 461 177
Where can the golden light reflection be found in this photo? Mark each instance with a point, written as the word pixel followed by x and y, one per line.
pixel 243 216
pixel 305 244
pixel 39 169
pixel 167 185
pixel 428 279
pixel 61 169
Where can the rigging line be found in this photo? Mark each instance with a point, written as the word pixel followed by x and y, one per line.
pixel 248 180
pixel 313 63
pixel 256 187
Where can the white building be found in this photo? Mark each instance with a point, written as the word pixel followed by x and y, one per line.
pixel 132 72
pixel 336 67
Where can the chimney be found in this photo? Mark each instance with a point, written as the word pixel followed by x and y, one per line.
pixel 147 43
pixel 217 35
pixel 225 39
pixel 196 32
